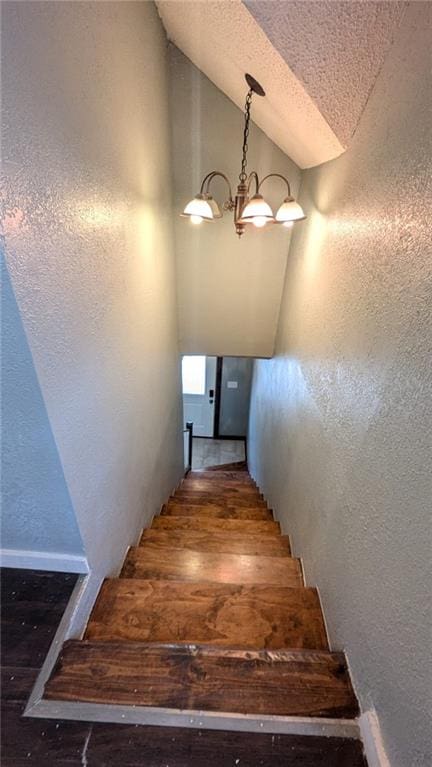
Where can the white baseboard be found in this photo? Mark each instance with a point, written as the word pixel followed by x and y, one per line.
pixel 43 560
pixel 71 626
pixel 372 740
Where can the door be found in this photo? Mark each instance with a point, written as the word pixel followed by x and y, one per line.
pixel 234 397
pixel 199 382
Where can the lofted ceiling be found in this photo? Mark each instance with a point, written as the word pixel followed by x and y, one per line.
pixel 316 59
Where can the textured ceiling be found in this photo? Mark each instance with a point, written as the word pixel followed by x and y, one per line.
pixel 335 48
pixel 224 41
pixel 317 60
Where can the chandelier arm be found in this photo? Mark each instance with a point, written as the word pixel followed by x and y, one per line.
pixel 275 175
pixel 205 180
pixel 253 176
pixel 209 178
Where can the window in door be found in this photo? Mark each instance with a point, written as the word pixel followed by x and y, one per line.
pixel 194 375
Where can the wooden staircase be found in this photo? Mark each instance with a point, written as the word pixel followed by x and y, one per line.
pixel 209 614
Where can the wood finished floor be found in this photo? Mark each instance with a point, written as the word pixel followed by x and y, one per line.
pixel 35 599
pixel 32 604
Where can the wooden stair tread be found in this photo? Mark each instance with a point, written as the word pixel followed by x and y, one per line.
pixel 222 542
pixel 255 526
pixel 289 683
pixel 209 567
pixel 256 617
pixel 220 487
pixel 217 512
pixel 235 466
pixel 212 499
pixel 241 477
pixel 224 487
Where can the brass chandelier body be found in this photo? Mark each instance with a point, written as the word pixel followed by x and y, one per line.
pixel 247 210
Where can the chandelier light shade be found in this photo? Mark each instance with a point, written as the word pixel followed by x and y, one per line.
pixel 247 208
pixel 199 209
pixel 289 212
pixel 257 211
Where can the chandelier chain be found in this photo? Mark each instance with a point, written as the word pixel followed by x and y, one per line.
pixel 242 174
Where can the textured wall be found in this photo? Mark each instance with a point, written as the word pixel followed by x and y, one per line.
pixel 89 250
pixel 229 290
pixel 340 430
pixel 335 48
pixel 37 513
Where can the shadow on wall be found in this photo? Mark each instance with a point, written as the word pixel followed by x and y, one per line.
pixel 37 512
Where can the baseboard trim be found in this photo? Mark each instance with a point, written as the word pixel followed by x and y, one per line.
pixel 372 740
pixel 43 560
pixel 71 626
pixel 207 720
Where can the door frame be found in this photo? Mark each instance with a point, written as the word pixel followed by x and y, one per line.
pixel 219 362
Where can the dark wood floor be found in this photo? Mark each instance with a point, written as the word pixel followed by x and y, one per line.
pixel 32 605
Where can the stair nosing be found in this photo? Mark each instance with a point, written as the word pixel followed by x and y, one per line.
pixel 210 649
pixel 221 585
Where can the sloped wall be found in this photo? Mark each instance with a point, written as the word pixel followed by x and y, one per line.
pixel 229 290
pixel 340 428
pixel 89 248
pixel 37 513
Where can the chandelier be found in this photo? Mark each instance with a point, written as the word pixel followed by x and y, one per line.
pixel 247 209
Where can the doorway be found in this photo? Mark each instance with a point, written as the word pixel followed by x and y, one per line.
pixel 199 389
pixel 216 394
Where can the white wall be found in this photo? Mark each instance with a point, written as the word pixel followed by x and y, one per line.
pixel 340 428
pixel 229 290
pixel 89 249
